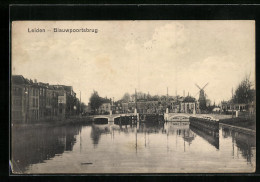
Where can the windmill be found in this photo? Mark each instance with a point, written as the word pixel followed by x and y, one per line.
pixel 202 97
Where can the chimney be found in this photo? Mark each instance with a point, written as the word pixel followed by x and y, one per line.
pixel 35 80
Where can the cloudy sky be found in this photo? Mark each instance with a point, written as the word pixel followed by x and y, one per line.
pixel 147 55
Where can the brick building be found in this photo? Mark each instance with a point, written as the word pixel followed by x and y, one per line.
pixel 51 103
pixel 105 108
pixel 42 99
pixel 33 101
pixel 20 98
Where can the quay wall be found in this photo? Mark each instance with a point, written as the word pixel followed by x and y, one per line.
pixel 204 123
pixel 52 123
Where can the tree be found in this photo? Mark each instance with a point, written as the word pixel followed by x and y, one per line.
pixel 202 104
pixel 95 101
pixel 155 98
pixel 189 99
pixel 243 93
pixel 126 97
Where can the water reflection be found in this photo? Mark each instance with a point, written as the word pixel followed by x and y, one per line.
pixel 151 127
pixel 97 131
pixel 37 145
pixel 211 135
pixel 145 147
pixel 245 143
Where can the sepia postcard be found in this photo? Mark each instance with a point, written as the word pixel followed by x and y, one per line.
pixel 113 97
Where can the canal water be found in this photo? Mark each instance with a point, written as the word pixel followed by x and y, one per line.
pixel 143 148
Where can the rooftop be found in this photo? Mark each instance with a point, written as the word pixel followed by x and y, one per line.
pixel 19 79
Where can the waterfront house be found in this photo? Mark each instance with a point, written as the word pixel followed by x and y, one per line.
pixel 105 108
pixel 34 101
pixel 42 100
pixel 20 98
pixel 51 103
pixel 189 104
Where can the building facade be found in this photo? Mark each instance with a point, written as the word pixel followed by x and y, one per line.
pixel 42 100
pixel 105 108
pixel 51 103
pixel 20 98
pixel 33 101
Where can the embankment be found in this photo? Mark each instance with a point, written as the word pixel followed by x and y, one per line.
pixel 52 123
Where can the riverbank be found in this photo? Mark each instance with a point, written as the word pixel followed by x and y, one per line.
pixel 240 122
pixel 52 123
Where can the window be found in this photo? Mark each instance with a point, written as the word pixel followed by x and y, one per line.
pixel 17 114
pixel 20 91
pixel 18 102
pixel 36 103
pixel 17 91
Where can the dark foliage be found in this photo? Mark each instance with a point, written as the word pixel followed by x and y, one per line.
pixel 244 93
pixel 95 101
pixel 189 99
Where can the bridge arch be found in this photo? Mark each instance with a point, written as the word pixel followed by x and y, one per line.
pixel 178 118
pixel 100 120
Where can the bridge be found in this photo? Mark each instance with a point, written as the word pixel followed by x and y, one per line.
pixel 135 116
pixel 112 117
pixel 210 117
pixel 176 116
